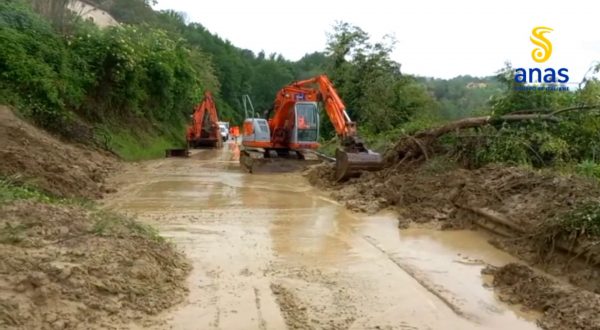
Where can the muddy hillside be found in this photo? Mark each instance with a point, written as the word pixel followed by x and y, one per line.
pixel 32 156
pixel 64 262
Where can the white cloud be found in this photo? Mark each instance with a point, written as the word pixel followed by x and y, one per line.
pixel 435 37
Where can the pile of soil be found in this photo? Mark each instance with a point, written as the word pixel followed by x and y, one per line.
pixel 32 156
pixel 69 267
pixel 563 306
pixel 424 194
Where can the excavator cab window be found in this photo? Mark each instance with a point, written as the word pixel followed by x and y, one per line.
pixel 307 122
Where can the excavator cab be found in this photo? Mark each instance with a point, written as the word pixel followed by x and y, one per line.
pixel 306 129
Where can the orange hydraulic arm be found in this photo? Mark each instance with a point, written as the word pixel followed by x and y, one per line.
pixel 291 104
pixel 204 120
pixel 315 89
pixel 334 106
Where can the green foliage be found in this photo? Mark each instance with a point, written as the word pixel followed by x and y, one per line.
pixel 33 65
pixel 588 168
pixel 513 99
pixel 584 220
pixel 311 65
pixel 139 71
pixel 139 145
pixel 112 224
pixel 506 146
pixel 463 96
pixel 536 144
pixel 387 139
pixel 140 75
pixel 10 191
pixel 375 92
pixel 573 139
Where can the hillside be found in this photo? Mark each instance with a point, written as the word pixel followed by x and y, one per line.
pixel 131 88
pixel 64 262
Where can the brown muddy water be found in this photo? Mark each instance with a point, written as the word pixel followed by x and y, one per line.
pixel 271 252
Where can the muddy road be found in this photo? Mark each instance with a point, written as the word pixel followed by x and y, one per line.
pixel 270 251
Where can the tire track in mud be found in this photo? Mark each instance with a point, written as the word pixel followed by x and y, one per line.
pixel 262 324
pixel 430 287
pixel 295 315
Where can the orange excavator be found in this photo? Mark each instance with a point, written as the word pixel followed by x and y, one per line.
pixel 204 131
pixel 290 129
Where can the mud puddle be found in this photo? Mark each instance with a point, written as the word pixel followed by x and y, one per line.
pixel 270 251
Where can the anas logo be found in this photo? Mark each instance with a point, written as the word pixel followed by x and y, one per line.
pixel 540 54
pixel 543 52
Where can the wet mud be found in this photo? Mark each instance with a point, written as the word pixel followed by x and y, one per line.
pixel 269 251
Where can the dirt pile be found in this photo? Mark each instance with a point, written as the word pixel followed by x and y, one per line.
pixel 436 191
pixel 563 306
pixel 71 267
pixel 34 157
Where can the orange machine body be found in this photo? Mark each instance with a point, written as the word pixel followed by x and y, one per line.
pixel 293 114
pixel 290 129
pixel 204 129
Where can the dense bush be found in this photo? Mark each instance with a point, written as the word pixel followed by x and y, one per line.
pixel 34 65
pixel 121 72
pixel 573 138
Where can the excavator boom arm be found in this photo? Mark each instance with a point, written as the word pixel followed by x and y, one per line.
pixel 334 106
pixel 353 156
pixel 290 118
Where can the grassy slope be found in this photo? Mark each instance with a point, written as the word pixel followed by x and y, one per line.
pixel 136 145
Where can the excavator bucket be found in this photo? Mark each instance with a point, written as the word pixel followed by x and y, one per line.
pixel 350 164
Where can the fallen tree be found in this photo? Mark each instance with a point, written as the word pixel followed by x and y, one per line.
pixel 419 145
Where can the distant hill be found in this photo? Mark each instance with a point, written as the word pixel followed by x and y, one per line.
pixel 462 96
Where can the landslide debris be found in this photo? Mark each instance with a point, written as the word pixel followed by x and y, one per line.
pixel 441 193
pixel 548 219
pixel 432 191
pixel 34 157
pixel 65 263
pixel 563 306
pixel 65 266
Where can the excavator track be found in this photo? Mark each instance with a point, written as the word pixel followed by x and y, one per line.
pixel 254 161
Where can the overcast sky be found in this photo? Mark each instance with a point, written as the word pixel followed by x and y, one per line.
pixel 435 37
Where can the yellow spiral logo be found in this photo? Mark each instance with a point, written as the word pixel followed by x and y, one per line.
pixel 541 53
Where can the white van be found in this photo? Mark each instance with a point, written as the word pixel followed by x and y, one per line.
pixel 224 131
